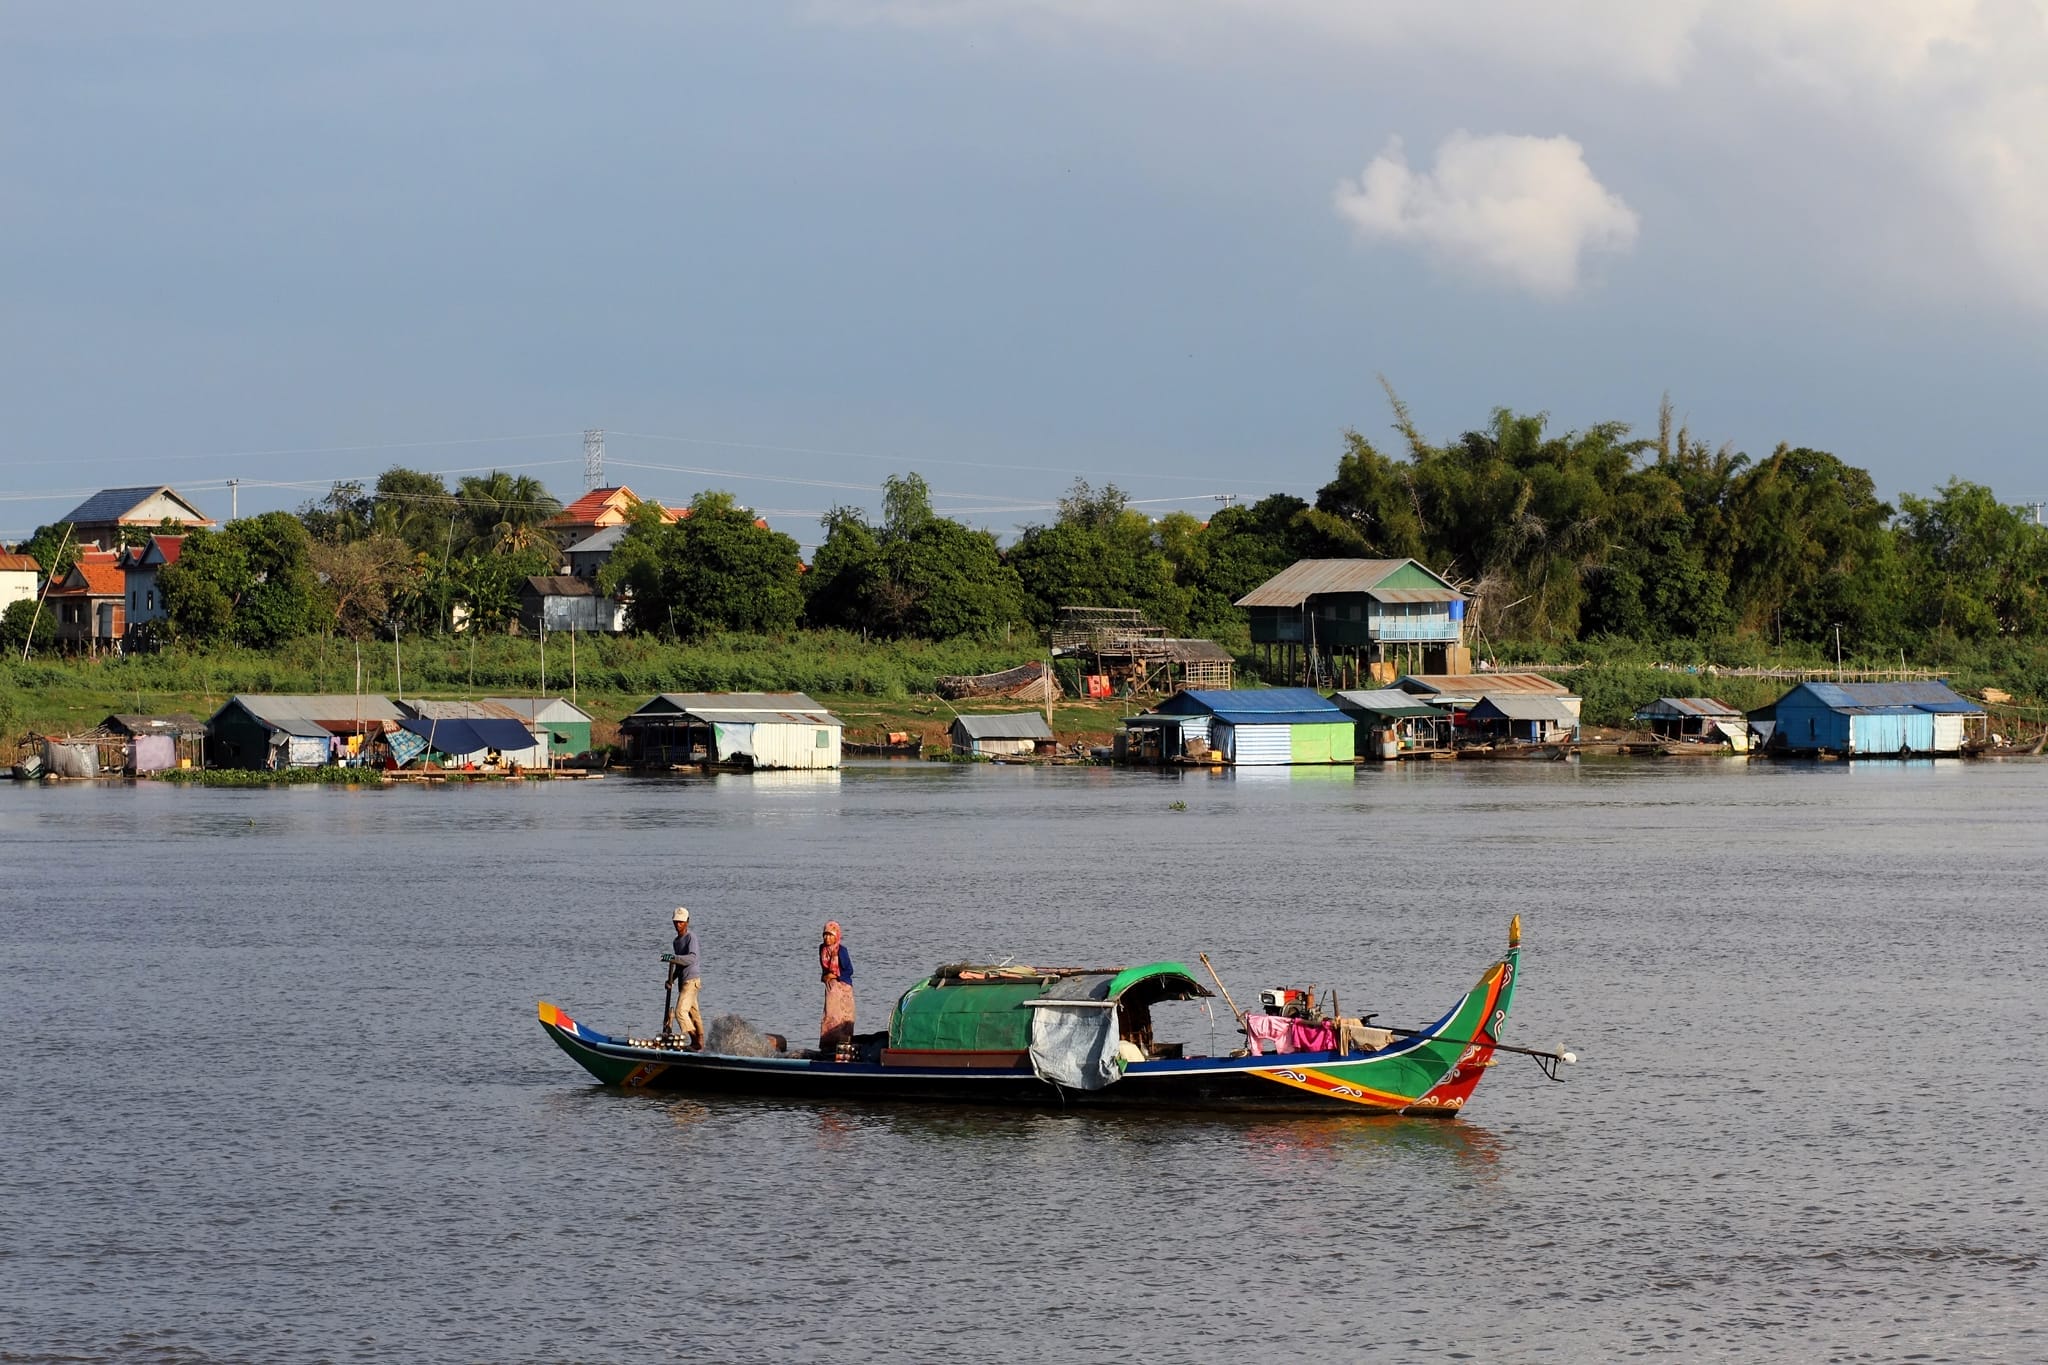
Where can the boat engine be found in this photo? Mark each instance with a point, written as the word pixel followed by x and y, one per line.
pixel 1284 1000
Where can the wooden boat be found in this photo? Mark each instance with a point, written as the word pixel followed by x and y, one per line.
pixel 897 745
pixel 1060 1038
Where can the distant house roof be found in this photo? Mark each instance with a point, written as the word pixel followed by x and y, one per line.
pixel 96 574
pixel 19 564
pixel 1524 706
pixel 1003 725
pixel 1255 706
pixel 732 708
pixel 541 710
pixel 1308 578
pixel 1892 696
pixel 1681 708
pixel 1389 703
pixel 599 542
pixel 1196 652
pixel 559 585
pixel 116 505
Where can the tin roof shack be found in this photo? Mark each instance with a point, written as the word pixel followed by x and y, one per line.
pixel 1525 718
pixel 155 743
pixel 745 731
pixel 567 724
pixel 482 734
pixel 1322 617
pixel 1873 720
pixel 1248 727
pixel 1395 724
pixel 275 731
pixel 563 602
pixel 1005 733
pixel 1701 721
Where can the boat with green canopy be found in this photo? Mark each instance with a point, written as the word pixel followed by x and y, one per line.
pixel 1083 1036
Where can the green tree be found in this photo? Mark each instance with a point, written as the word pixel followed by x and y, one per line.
pixel 252 582
pixel 503 512
pixel 1813 550
pixel 917 574
pixel 717 568
pixel 45 545
pixel 416 507
pixel 20 618
pixel 1980 568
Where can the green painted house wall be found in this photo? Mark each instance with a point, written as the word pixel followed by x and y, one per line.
pixel 1336 743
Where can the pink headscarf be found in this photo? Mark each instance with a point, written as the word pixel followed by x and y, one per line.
pixel 828 951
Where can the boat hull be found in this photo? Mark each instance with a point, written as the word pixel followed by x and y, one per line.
pixel 1432 1073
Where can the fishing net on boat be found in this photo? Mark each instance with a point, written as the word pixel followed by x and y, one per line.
pixel 733 1036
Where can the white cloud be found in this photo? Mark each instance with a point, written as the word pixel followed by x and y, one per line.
pixel 1523 210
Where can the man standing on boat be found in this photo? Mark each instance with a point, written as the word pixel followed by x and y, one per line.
pixel 685 976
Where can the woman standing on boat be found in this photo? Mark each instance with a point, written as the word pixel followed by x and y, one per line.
pixel 835 969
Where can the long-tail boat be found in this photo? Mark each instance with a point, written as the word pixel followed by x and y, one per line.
pixel 1082 1037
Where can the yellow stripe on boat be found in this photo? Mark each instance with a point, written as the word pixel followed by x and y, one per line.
pixel 550 1015
pixel 1336 1087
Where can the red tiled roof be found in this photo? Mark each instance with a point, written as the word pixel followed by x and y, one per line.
pixel 586 510
pixel 101 572
pixel 19 564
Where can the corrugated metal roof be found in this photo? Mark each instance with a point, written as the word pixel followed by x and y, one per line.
pixel 1386 701
pixel 1004 725
pixel 1523 706
pixel 1306 578
pixel 1196 652
pixel 277 708
pixel 19 564
pixel 599 542
pixel 1669 708
pixel 183 724
pixel 735 708
pixel 543 709
pixel 1257 706
pixel 1876 698
pixel 460 710
pixel 559 585
pixel 1482 684
pixel 1415 594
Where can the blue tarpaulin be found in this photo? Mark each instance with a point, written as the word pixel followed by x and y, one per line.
pixel 460 738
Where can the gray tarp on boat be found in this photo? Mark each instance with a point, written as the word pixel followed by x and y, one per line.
pixel 1074 1034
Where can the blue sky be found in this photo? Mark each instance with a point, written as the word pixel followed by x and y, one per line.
pixel 788 249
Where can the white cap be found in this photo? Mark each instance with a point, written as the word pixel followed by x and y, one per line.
pixel 682 915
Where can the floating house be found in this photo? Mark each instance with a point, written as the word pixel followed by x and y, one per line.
pixel 566 724
pixel 481 733
pixel 1246 728
pixel 1871 720
pixel 155 743
pixel 1696 720
pixel 266 731
pixel 742 730
pixel 1394 724
pixel 1324 616
pixel 1524 718
pixel 1010 732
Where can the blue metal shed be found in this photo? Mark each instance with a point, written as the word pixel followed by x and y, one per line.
pixel 1872 719
pixel 1271 725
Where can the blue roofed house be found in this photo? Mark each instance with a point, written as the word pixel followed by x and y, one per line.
pixel 1871 720
pixel 1246 728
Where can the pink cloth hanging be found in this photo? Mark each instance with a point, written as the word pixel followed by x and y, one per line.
pixel 1271 1030
pixel 1308 1037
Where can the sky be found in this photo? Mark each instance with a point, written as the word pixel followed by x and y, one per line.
pixel 1177 245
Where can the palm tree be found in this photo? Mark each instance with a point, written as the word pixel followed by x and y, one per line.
pixel 506 511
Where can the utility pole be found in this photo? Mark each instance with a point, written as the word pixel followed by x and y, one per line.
pixel 234 499
pixel 593 459
pixel 1838 646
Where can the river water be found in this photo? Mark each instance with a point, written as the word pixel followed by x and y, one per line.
pixel 274 1089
